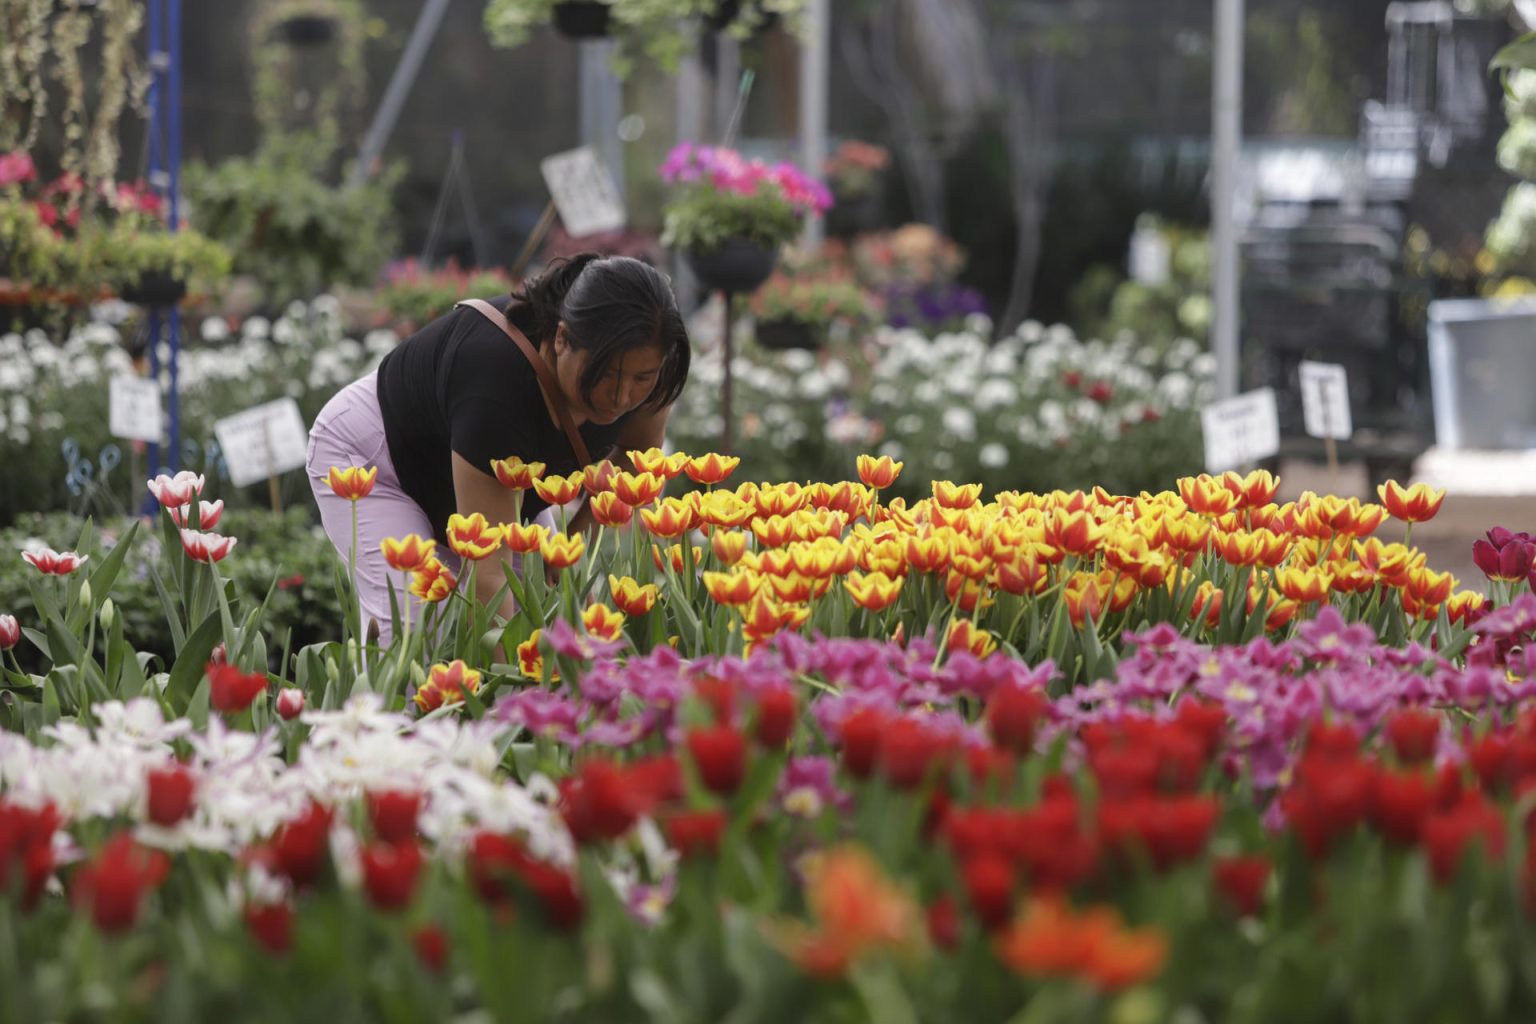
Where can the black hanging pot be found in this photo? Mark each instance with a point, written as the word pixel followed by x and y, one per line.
pixel 783 335
pixel 736 265
pixel 307 29
pixel 154 288
pixel 582 19
pixel 854 215
pixel 727 11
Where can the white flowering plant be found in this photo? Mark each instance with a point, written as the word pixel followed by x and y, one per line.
pixel 1038 410
pixel 53 390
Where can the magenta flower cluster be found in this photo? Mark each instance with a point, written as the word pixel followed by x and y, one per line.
pixel 725 170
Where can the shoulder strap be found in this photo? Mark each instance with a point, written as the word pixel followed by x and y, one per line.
pixel 547 382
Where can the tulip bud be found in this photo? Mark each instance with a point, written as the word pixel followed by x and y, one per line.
pixel 332 671
pixel 10 632
pixel 218 656
pixel 108 614
pixel 290 702
pixel 85 593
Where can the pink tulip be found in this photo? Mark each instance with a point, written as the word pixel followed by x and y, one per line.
pixel 10 632
pixel 206 547
pixel 208 514
pixel 54 563
pixel 176 491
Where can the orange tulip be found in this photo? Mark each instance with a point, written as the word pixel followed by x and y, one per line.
pixel 1388 562
pixel 711 469
pixel 409 553
pixel 603 622
pixel 432 582
pixel 732 588
pixel 598 478
pixel 1279 609
pixel 795 588
pixel 1463 603
pixel 779 500
pixel 353 483
pixel 724 509
pixel 560 490
pixel 447 684
pixel 873 591
pixel 638 488
pixel 965 593
pixel 608 510
pixel 530 660
pixel 631 598
pixel 674 556
pixel 1076 532
pixel 672 518
pixel 516 474
pixel 652 460
pixel 1306 585
pixel 1237 548
pixel 1207 604
pixel 728 545
pixel 1252 491
pixel 561 551
pixel 1206 495
pixel 773 532
pixel 878 473
pixel 928 554
pixel 1020 575
pixel 763 617
pixel 1429 587
pixel 1349 577
pixel 962 635
pixel 952 495
pixel 523 539
pixel 471 537
pixel 1415 504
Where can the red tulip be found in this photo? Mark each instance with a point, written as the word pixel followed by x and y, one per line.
pixel 600 802
pixel 1505 555
pixel 390 871
pixel 1413 733
pixel 113 885
pixel 300 846
pixel 394 813
pixel 908 750
pixel 431 945
pixel 229 689
pixel 861 741
pixel 1241 881
pixel 944 923
pixel 26 849
pixel 170 792
pixel 1012 714
pixel 208 515
pixel 777 712
pixel 720 754
pixel 1400 803
pixel 10 632
pixel 696 834
pixel 176 491
pixel 989 881
pixel 271 924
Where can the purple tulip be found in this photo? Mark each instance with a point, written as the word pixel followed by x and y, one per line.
pixel 1506 556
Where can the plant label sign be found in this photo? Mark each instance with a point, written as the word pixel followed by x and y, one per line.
pixel 263 441
pixel 1241 430
pixel 134 409
pixel 583 192
pixel 1325 401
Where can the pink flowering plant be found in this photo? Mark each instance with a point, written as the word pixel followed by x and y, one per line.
pixel 719 194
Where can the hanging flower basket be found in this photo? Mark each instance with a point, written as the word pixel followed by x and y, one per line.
pixel 154 289
pixel 737 265
pixel 583 19
pixel 306 30
pixel 727 11
pixel 783 335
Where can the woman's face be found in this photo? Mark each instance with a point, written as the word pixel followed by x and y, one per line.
pixel 628 381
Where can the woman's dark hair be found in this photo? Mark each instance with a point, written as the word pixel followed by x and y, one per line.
pixel 611 305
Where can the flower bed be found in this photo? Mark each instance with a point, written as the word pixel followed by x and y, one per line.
pixel 845 758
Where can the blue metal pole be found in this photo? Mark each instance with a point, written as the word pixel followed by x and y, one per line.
pixel 156 98
pixel 173 169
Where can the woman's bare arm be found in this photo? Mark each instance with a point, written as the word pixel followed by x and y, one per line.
pixel 477 491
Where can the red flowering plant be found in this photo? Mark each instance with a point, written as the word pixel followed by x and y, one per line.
pixel 412 295
pixel 62 235
pixel 819 301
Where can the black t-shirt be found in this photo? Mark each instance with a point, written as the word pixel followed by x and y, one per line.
pixel 460 385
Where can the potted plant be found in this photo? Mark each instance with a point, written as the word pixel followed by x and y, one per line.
pixel 854 174
pixel 797 310
pixel 729 215
pixel 154 268
pixel 583 19
pixel 413 295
